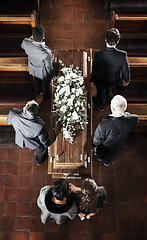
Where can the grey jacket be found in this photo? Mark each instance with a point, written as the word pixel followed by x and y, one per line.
pixel 30 133
pixel 40 58
pixel 45 214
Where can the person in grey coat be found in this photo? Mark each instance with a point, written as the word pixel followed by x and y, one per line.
pixel 40 59
pixel 56 203
pixel 30 129
pixel 113 130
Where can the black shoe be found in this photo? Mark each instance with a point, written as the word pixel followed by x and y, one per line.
pixel 106 164
pixel 95 104
pixel 99 159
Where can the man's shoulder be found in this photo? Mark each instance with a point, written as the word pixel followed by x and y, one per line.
pixel 130 116
pixel 121 52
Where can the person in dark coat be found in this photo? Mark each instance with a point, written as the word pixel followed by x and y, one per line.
pixel 113 130
pixel 40 60
pixel 56 203
pixel 89 198
pixel 108 67
pixel 30 130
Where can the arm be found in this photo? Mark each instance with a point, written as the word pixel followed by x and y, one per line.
pixel 49 62
pixel 73 188
pixel 99 136
pixel 126 72
pixel 44 138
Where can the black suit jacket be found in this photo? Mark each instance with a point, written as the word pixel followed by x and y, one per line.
pixel 108 66
pixel 113 131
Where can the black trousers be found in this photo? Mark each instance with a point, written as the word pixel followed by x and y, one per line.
pixel 43 86
pixel 104 153
pixel 102 94
pixel 41 154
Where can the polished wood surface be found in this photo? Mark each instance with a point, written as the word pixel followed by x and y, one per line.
pixel 29 19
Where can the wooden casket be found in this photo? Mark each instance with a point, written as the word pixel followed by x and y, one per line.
pixel 74 160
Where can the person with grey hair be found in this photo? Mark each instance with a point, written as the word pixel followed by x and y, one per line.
pixel 113 130
pixel 30 130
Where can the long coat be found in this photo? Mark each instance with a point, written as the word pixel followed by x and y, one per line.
pixel 46 214
pixel 40 58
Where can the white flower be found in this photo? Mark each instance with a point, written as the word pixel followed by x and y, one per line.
pixel 72 96
pixel 80 90
pixel 75 116
pixel 66 133
pixel 70 102
pixel 77 94
pixel 63 109
pixel 81 80
pixel 73 75
pixel 61 79
pixel 73 90
pixel 78 109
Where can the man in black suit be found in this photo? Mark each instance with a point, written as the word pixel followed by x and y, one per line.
pixel 108 67
pixel 30 130
pixel 113 130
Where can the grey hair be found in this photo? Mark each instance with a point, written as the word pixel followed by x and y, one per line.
pixel 119 103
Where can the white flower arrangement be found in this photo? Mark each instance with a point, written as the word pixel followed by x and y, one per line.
pixel 69 102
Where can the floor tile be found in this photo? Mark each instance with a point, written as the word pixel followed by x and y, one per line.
pixel 8 223
pixel 24 193
pixel 7 235
pixel 23 209
pixel 9 209
pixel 36 224
pixel 36 236
pixel 23 223
pixel 22 236
pixel 10 194
pixel 11 180
pixel 25 180
pixel 11 167
pixel 25 168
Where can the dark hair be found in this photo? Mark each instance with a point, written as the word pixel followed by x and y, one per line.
pixel 91 198
pixel 113 36
pixel 60 189
pixel 38 33
pixel 31 110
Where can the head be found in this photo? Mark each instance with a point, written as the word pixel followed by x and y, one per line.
pixel 38 33
pixel 112 37
pixel 31 109
pixel 92 197
pixel 60 189
pixel 118 105
pixel 89 185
